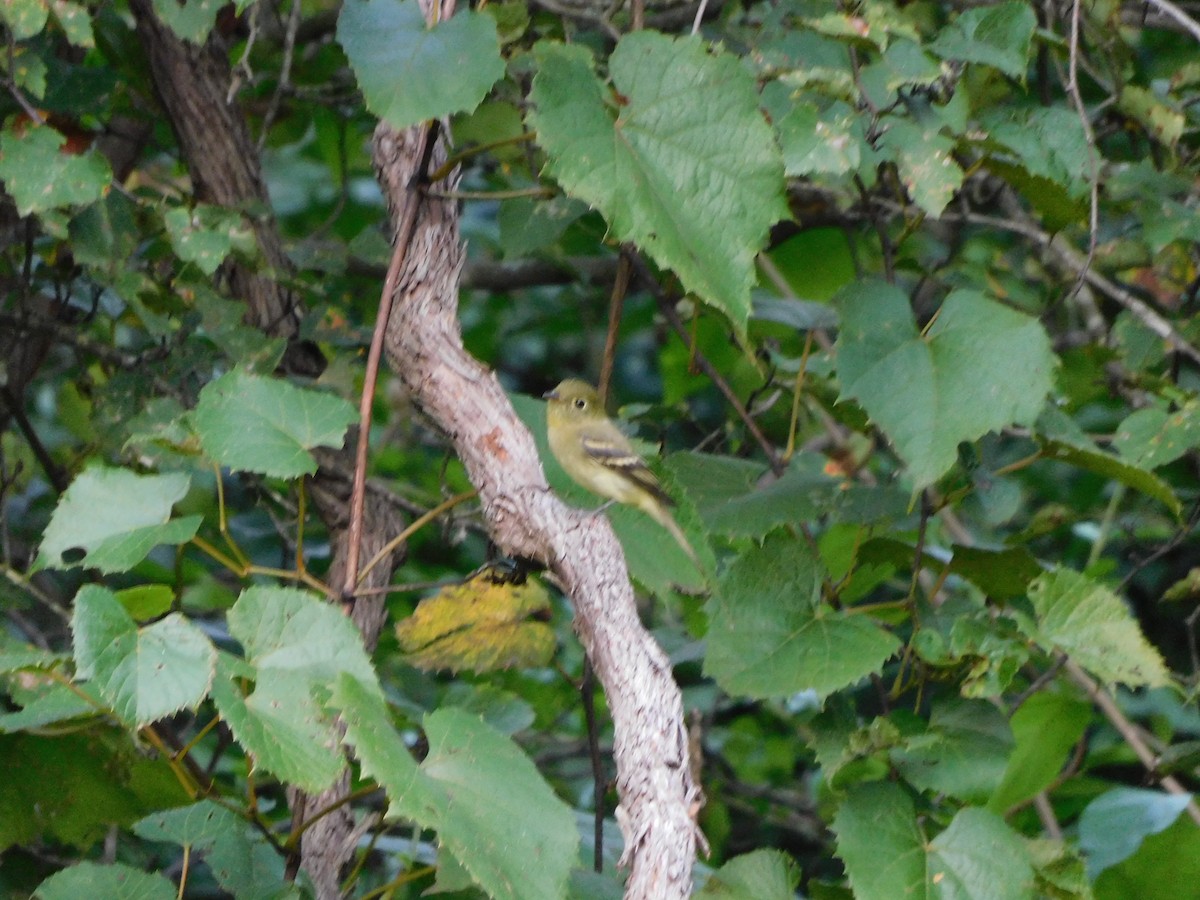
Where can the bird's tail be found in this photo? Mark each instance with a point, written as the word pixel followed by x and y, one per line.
pixel 664 518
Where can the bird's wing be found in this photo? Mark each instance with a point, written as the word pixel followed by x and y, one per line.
pixel 615 452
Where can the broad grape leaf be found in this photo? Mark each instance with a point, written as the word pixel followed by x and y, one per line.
pixel 675 155
pixel 191 21
pixel 115 881
pixel 997 35
pixel 770 634
pixel 761 875
pixel 145 674
pixel 410 71
pixel 493 811
pixel 255 424
pixel 109 519
pixel 296 646
pixel 888 856
pixel 980 367
pixel 207 234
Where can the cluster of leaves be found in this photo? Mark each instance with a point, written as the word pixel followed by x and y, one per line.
pixel 943 639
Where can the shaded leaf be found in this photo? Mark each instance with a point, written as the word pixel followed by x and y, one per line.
pixel 490 806
pixel 963 752
pixel 1114 825
pixel 771 635
pixel 760 875
pixel 116 881
pixel 191 21
pixel 40 178
pixel 979 856
pixel 997 35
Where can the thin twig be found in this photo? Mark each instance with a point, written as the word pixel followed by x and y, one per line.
pixel 1108 706
pixel 667 308
pixel 285 74
pixel 404 233
pixel 1140 310
pixel 1072 89
pixel 1171 11
pixel 616 304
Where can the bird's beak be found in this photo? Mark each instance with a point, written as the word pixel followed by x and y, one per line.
pixel 550 395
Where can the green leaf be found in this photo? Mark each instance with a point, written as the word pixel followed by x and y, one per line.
pixel 242 861
pixel 25 18
pixel 828 142
pixel 15 658
pixel 979 856
pixel 298 636
pixel 199 825
pixel 770 635
pixel 40 178
pixel 1093 459
pixel 58 703
pixel 1153 437
pixel 887 856
pixel 110 519
pixel 281 727
pixel 1163 863
pixel 1114 825
pixel 880 843
pixel 1048 143
pixel 75 21
pixel 677 156
pixel 105 234
pixel 145 674
pixel 926 163
pixel 1046 728
pixel 296 646
pixel 997 36
pixel 206 234
pixel 255 424
pixel 761 875
pixel 410 72
pixel 113 882
pixel 490 806
pixel 147 601
pixel 980 367
pixel 73 787
pixel 191 21
pixel 963 753
pixel 1092 625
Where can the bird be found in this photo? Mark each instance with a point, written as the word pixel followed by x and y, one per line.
pixel 593 451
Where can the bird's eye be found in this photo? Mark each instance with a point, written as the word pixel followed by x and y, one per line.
pixel 580 403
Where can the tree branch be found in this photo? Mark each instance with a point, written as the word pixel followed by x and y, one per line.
pixel 658 798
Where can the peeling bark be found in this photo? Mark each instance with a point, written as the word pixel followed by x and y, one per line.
pixel 658 796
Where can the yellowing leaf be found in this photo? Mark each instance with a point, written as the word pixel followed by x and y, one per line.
pixel 482 625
